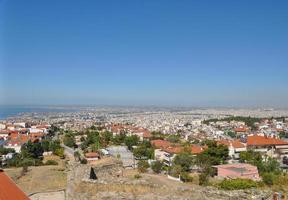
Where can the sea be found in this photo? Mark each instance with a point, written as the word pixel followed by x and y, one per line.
pixel 12 111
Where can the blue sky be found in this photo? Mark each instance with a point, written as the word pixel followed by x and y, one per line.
pixel 164 52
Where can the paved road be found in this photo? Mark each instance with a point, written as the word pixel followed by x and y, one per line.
pixel 68 150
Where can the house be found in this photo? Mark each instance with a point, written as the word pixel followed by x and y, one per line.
pixel 36 137
pixel 166 151
pixel 235 147
pixel 91 156
pixel 241 130
pixel 170 153
pixel 4 134
pixel 160 144
pixel 2 126
pixel 9 190
pixel 238 170
pixel 270 146
pixel 15 141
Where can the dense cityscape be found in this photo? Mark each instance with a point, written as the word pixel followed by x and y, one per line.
pixel 207 150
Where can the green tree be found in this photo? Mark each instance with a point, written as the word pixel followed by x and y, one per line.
pixel 173 138
pixel 215 154
pixel 69 140
pixel 53 145
pixel 204 176
pixel 106 138
pixel 268 165
pixel 45 145
pixel 34 150
pixel 184 159
pixel 131 141
pixel 142 152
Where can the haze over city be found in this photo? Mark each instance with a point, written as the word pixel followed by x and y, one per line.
pixel 180 53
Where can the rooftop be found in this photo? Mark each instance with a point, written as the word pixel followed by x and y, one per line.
pixel 9 190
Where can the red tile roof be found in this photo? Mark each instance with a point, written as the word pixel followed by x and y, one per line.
pixel 196 149
pixel 257 140
pixel 160 143
pixel 9 190
pixel 173 149
pixel 234 143
pixel 241 129
pixel 92 155
pixel 147 134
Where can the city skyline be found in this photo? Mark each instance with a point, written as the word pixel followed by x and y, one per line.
pixel 144 53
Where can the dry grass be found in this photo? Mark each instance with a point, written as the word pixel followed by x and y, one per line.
pixel 40 179
pixel 126 188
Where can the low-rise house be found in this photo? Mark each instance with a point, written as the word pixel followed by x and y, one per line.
pixel 270 146
pixel 20 124
pixel 2 126
pixel 239 170
pixel 4 134
pixel 166 151
pixel 235 147
pixel 36 137
pixel 92 156
pixel 241 130
pixel 16 142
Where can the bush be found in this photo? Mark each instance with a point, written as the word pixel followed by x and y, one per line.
pixel 84 161
pixel 30 162
pixel 175 170
pixel 157 166
pixel 4 151
pixel 237 184
pixel 60 152
pixel 137 176
pixel 203 179
pixel 143 165
pixel 185 177
pixel 51 162
pixel 268 178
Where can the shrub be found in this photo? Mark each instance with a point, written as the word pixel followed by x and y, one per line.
pixel 59 152
pixel 51 162
pixel 157 166
pixel 237 184
pixel 28 162
pixel 175 170
pixel 185 177
pixel 137 176
pixel 268 178
pixel 84 161
pixel 203 179
pixel 143 165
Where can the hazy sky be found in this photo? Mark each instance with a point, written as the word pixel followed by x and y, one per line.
pixel 152 52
